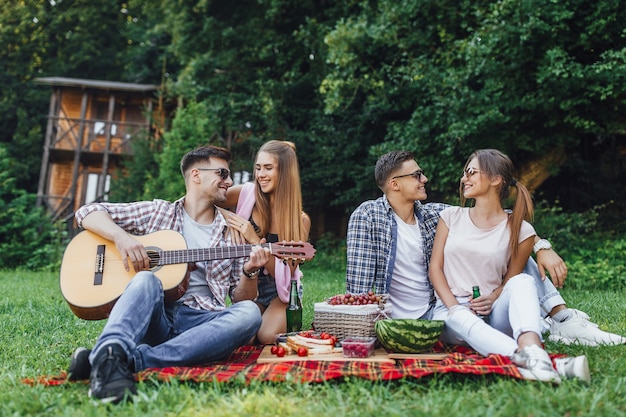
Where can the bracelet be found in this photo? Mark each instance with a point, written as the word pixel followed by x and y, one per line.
pixel 541 244
pixel 251 275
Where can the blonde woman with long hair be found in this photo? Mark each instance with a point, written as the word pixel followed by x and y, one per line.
pixel 271 208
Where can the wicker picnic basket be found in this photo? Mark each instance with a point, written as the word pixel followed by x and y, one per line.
pixel 349 320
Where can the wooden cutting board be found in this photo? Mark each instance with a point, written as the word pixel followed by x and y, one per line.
pixel 431 356
pixel 380 355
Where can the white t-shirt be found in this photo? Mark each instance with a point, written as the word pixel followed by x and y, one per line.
pixel 474 256
pixel 409 290
pixel 198 236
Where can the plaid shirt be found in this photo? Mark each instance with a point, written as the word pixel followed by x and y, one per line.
pixel 372 240
pixel 143 217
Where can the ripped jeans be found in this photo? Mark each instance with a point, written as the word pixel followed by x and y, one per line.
pixel 516 311
pixel 157 335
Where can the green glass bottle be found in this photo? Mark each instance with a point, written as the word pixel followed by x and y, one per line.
pixel 294 309
pixel 475 291
pixel 476 294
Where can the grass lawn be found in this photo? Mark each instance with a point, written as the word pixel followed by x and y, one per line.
pixel 39 332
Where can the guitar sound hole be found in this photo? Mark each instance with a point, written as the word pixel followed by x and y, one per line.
pixel 155 258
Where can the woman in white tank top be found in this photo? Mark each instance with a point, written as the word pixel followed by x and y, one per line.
pixel 486 246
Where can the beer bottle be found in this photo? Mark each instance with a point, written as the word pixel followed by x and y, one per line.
pixel 476 294
pixel 294 309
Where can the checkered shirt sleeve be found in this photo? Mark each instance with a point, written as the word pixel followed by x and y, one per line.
pixel 368 241
pixel 141 217
pixel 371 240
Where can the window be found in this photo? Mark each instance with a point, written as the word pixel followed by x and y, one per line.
pixel 92 188
pixel 98 128
pixel 240 177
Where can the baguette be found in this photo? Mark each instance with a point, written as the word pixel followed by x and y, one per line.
pixel 311 340
pixel 295 342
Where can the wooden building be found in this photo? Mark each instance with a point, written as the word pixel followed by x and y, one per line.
pixel 90 127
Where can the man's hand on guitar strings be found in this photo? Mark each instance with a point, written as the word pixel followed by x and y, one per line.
pixel 131 249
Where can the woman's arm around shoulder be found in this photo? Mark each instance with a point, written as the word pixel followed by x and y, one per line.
pixel 232 197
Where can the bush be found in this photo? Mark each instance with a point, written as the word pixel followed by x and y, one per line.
pixel 601 267
pixel 330 253
pixel 28 237
pixel 565 230
pixel 594 257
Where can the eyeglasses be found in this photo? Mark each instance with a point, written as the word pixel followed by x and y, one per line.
pixel 222 172
pixel 469 171
pixel 417 175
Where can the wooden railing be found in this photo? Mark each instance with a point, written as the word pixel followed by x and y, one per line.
pixel 94 135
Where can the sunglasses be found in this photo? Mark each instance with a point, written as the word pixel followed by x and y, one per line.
pixel 222 172
pixel 417 175
pixel 469 171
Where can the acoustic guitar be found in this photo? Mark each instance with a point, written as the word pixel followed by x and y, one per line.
pixel 93 276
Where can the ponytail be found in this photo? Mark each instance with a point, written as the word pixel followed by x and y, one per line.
pixel 523 210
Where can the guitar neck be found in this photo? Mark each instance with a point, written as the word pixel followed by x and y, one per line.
pixel 179 256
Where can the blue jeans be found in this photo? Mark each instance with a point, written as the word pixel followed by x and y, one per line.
pixel 155 335
pixel 267 290
pixel 549 296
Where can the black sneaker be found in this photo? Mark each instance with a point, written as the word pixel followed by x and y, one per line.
pixel 80 368
pixel 111 379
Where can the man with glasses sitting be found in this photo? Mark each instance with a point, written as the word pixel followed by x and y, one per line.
pixel 389 244
pixel 142 331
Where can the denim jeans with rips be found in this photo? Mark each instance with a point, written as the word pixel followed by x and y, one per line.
pixel 157 335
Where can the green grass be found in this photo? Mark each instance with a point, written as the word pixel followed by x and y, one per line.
pixel 38 332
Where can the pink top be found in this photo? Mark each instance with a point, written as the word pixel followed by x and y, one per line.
pixel 282 272
pixel 474 256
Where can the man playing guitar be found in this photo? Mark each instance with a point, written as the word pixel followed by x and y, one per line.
pixel 143 330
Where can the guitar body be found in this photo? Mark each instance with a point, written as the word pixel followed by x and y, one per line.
pixel 93 275
pixel 90 294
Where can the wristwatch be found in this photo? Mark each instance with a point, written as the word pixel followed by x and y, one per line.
pixel 541 244
pixel 251 275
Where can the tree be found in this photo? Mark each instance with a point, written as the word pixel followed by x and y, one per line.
pixel 255 67
pixel 77 38
pixel 346 81
pixel 106 40
pixel 530 78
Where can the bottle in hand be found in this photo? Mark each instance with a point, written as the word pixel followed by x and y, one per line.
pixel 476 294
pixel 294 309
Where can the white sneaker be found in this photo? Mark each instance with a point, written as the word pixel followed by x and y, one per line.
pixel 545 325
pixel 534 363
pixel 578 329
pixel 573 367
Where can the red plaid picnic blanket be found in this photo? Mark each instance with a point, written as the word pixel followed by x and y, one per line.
pixel 241 365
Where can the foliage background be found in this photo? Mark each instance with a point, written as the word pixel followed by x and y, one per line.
pixel 346 80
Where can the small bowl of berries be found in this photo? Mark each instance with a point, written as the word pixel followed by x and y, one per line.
pixel 358 347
